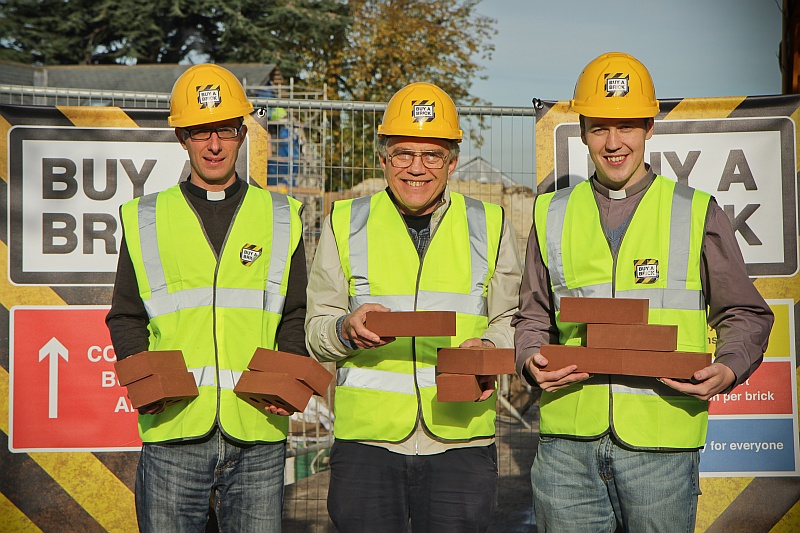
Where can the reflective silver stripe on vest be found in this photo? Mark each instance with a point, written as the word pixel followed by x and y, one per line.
pixel 170 303
pixel 205 376
pixel 364 378
pixel 149 244
pixel 556 212
pixel 683 299
pixel 162 302
pixel 479 247
pixel 642 386
pixel 281 241
pixel 601 290
pixel 395 303
pixel 250 299
pixel 429 301
pixel 359 250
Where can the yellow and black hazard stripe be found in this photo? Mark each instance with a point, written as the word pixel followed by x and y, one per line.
pixel 76 491
pixel 768 504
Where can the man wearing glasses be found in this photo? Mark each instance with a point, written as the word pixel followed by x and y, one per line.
pixel 400 454
pixel 215 268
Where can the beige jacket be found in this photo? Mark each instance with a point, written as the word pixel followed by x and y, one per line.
pixel 328 300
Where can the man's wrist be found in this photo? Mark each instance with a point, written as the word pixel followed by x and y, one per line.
pixel 347 343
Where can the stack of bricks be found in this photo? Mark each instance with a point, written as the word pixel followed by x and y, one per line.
pixel 619 340
pixel 458 370
pixel 282 379
pixel 154 376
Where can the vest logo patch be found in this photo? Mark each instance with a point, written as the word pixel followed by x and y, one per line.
pixel 208 96
pixel 617 84
pixel 645 270
pixel 249 253
pixel 423 110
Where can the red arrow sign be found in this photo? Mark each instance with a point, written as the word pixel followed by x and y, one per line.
pixel 64 394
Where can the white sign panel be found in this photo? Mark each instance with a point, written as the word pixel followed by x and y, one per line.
pixel 66 187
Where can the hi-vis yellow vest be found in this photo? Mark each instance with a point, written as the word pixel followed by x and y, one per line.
pixel 381 391
pixel 216 310
pixel 665 233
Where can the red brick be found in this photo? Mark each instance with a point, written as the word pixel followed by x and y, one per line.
pixel 476 361
pixel 412 323
pixel 143 364
pixel 457 388
pixel 302 368
pixel 660 338
pixel 679 365
pixel 604 310
pixel 273 388
pixel 170 386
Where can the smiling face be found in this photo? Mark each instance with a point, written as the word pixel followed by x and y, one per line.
pixel 616 146
pixel 213 161
pixel 417 189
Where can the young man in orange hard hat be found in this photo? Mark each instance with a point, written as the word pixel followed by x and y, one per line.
pixel 622 452
pixel 399 453
pixel 188 279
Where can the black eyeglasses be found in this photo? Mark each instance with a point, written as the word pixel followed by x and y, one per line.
pixel 227 132
pixel 432 160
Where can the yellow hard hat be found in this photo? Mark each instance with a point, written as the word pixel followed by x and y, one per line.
pixel 421 110
pixel 206 93
pixel 615 85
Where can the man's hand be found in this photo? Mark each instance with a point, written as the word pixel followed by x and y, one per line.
pixel 557 379
pixel 708 381
pixel 275 410
pixel 353 328
pixel 488 383
pixel 152 408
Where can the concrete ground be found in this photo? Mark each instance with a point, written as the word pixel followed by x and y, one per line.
pixel 305 500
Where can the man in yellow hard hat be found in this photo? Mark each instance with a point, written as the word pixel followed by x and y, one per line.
pixel 215 268
pixel 622 452
pixel 400 454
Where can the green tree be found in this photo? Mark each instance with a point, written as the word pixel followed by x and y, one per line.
pixel 285 32
pixel 389 44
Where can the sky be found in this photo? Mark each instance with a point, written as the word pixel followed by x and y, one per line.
pixel 692 48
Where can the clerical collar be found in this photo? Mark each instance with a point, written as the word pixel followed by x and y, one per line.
pixel 627 192
pixel 214 196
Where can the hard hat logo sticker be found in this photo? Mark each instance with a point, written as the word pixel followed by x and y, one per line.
pixel 208 96
pixel 423 110
pixel 617 84
pixel 249 253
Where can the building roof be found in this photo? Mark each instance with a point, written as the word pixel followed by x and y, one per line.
pixel 155 78
pixel 481 171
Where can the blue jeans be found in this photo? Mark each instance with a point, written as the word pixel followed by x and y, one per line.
pixel 174 484
pixel 593 486
pixel 374 490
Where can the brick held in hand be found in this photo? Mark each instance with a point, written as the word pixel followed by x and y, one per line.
pixel 604 310
pixel 411 323
pixel 273 388
pixel 169 386
pixel 476 361
pixel 143 364
pixel 300 367
pixel 660 338
pixel 457 388
pixel 678 365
